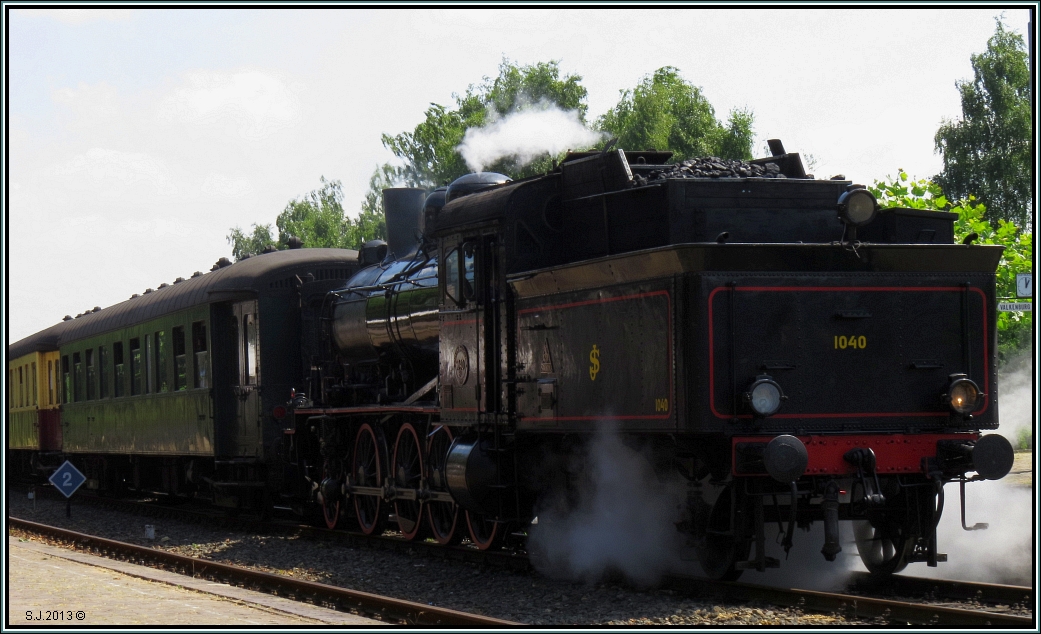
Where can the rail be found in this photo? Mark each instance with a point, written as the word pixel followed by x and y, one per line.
pixel 384 608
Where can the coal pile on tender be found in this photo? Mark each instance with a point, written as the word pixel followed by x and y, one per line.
pixel 711 167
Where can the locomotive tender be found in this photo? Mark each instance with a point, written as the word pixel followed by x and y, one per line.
pixel 791 351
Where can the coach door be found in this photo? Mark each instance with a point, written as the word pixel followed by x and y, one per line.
pixel 247 388
pixel 235 360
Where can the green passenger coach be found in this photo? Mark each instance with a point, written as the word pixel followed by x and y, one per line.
pixel 178 388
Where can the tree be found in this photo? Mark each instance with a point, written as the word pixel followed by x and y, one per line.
pixel 244 245
pixel 988 152
pixel 666 112
pixel 372 223
pixel 318 220
pixel 1014 328
pixel 430 153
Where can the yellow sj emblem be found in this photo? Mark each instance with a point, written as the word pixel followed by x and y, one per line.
pixel 594 359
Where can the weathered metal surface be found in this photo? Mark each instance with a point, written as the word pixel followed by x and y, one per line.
pixel 695 258
pixel 874 351
pixel 595 358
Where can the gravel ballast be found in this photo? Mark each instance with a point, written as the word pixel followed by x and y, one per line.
pixel 410 574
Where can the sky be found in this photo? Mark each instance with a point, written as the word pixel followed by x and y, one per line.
pixel 137 138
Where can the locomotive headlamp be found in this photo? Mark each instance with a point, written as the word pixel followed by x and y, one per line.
pixel 857 207
pixel 962 394
pixel 764 396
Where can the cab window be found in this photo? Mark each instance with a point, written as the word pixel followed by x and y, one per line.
pixel 468 270
pixel 452 286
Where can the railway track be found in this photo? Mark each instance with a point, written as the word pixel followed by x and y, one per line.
pixel 930 604
pixel 376 606
pixel 856 606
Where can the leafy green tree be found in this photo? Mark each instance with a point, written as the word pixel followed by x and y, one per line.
pixel 318 220
pixel 1014 328
pixel 666 112
pixel 989 151
pixel 430 153
pixel 244 245
pixel 371 221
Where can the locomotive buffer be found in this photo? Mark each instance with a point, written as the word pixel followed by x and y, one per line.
pixel 67 479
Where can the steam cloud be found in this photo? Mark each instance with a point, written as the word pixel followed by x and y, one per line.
pixel 624 520
pixel 1015 413
pixel 525 135
pixel 1005 552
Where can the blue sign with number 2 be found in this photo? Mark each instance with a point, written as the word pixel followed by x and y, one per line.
pixel 67 479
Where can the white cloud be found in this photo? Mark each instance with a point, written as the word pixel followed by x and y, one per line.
pixel 227 187
pixel 256 103
pixel 112 172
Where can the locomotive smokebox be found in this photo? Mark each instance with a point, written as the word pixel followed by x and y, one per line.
pixel 403 207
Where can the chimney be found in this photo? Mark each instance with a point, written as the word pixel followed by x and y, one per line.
pixel 403 207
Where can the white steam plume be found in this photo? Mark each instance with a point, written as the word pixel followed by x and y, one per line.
pixel 525 135
pixel 1016 404
pixel 1005 552
pixel 623 521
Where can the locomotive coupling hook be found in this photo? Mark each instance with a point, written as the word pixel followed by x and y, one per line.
pixel 863 458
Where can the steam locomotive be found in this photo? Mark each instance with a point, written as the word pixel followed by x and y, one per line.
pixel 791 351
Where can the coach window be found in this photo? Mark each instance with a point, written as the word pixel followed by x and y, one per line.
pixel 149 365
pixel 66 381
pixel 36 398
pixel 202 357
pixel 21 385
pixel 161 354
pixel 233 333
pixel 180 362
pixel 50 382
pixel 249 332
pixel 102 372
pixel 78 379
pixel 92 375
pixel 136 376
pixel 117 361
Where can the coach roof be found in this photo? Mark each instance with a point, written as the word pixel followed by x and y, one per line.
pixel 246 277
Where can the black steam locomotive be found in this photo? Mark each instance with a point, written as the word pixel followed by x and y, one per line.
pixel 792 352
